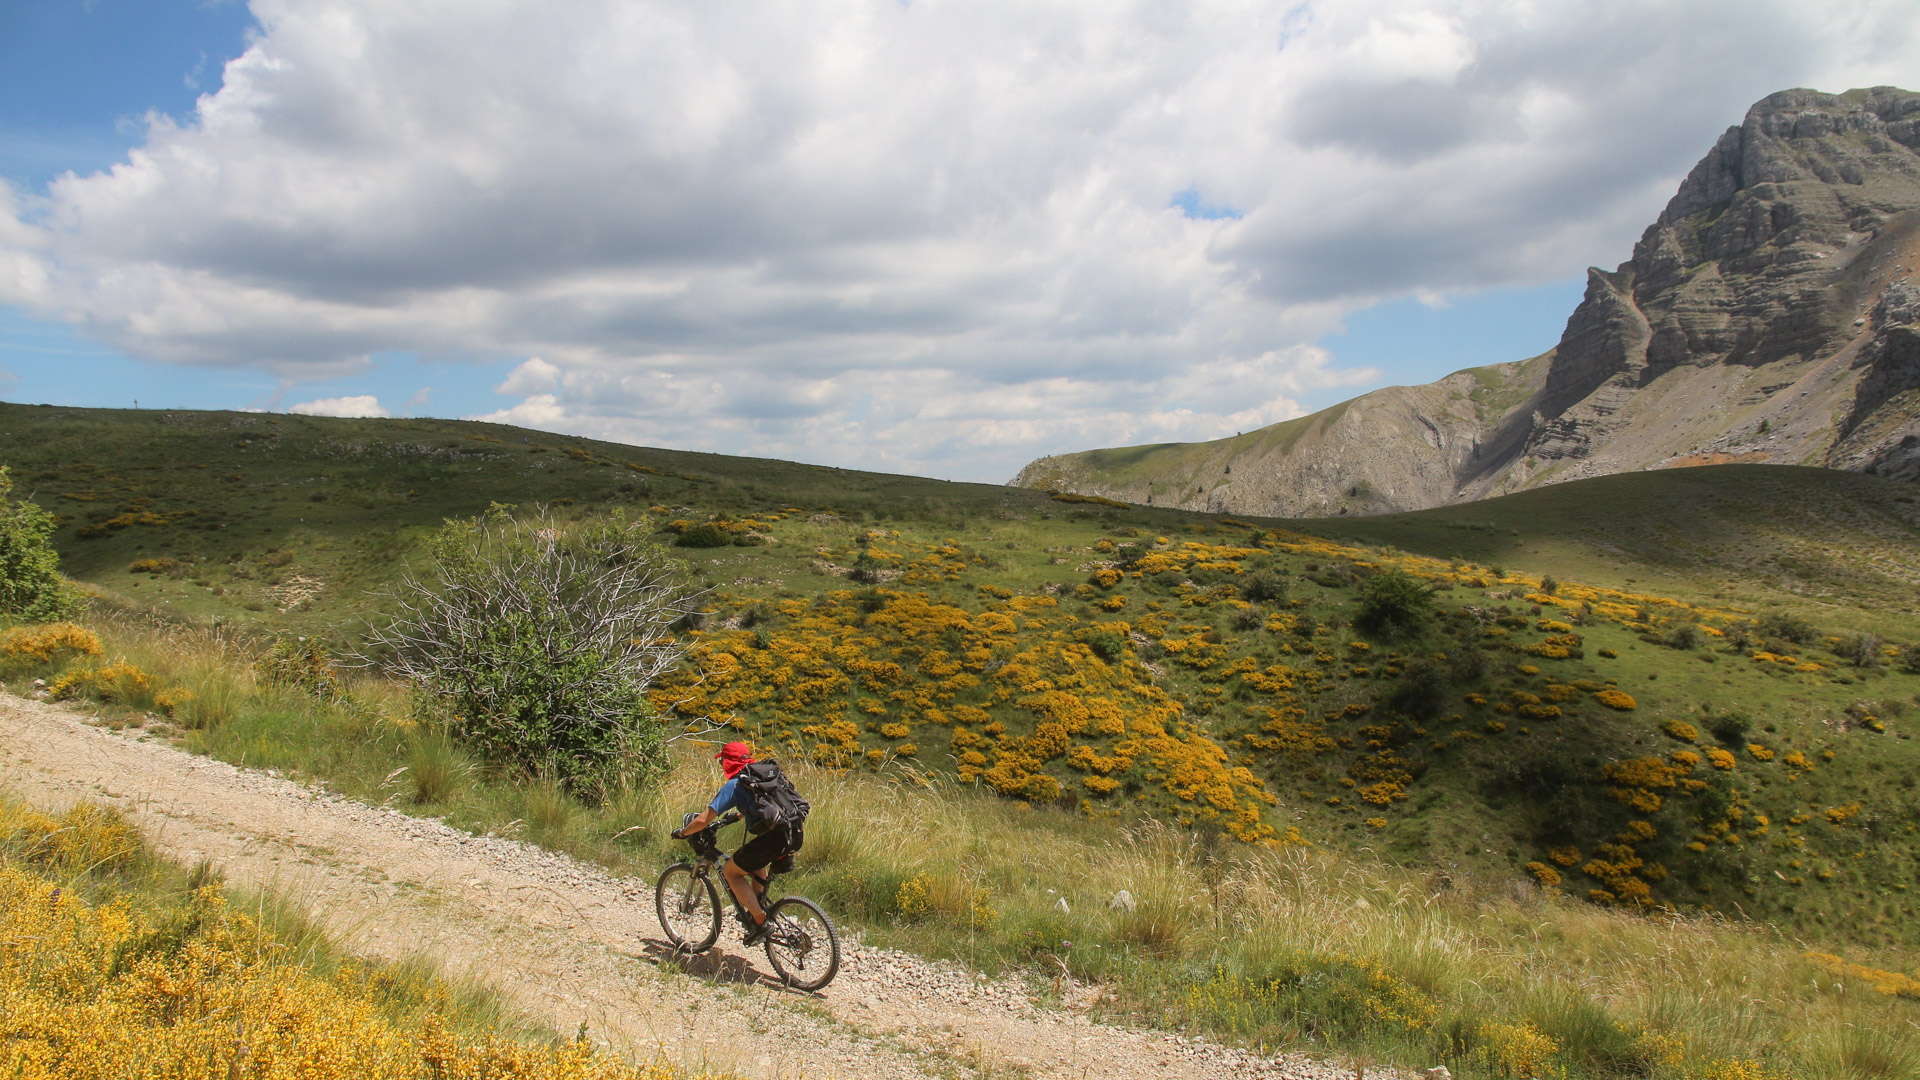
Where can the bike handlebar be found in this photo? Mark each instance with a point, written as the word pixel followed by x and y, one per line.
pixel 704 841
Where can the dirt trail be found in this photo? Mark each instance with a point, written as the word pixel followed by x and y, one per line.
pixel 566 943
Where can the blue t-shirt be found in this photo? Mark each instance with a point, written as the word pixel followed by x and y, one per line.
pixel 733 795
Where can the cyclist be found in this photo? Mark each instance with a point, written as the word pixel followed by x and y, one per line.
pixel 746 870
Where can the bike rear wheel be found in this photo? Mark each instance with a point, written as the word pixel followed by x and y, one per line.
pixel 802 944
pixel 689 908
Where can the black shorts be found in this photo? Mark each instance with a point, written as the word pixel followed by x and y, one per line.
pixel 760 851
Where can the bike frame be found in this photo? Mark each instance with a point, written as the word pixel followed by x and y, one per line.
pixel 709 860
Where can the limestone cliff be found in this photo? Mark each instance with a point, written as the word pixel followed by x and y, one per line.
pixel 1768 315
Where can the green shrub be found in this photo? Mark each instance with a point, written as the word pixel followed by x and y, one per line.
pixel 1730 727
pixel 1394 604
pixel 1792 628
pixel 1468 662
pixel 1424 690
pixel 1862 650
pixel 1264 587
pixel 1108 645
pixel 541 640
pixel 30 581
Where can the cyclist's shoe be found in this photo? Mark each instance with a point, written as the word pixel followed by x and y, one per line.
pixel 756 934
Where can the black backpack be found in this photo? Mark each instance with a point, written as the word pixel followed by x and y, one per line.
pixel 776 804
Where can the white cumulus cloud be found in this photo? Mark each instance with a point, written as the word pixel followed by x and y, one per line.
pixel 357 405
pixel 931 236
pixel 532 376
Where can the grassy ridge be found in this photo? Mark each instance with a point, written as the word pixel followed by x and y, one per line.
pixel 286 521
pixel 247 502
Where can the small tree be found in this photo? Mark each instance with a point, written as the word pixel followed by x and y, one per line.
pixel 30 581
pixel 543 639
pixel 1394 603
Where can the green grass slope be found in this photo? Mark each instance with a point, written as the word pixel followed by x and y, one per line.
pixel 1173 464
pixel 1129 663
pixel 287 521
pixel 1839 547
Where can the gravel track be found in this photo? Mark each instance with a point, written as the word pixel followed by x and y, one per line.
pixel 566 943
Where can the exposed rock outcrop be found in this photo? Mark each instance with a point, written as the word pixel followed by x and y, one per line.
pixel 1770 314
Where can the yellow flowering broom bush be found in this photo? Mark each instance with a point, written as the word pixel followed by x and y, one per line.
pixel 851 671
pixel 26 648
pixel 129 987
pixel 112 684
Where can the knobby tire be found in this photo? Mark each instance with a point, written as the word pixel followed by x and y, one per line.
pixel 688 906
pixel 802 944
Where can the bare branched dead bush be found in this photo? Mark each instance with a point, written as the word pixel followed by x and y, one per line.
pixel 542 639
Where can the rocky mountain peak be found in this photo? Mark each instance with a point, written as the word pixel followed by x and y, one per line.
pixel 1756 151
pixel 1766 315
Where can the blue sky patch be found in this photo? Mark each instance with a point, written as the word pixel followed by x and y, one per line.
pixel 1190 204
pixel 79 76
pixel 1409 342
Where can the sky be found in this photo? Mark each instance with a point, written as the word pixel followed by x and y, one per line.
pixel 923 236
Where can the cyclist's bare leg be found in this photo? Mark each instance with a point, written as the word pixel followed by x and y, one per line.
pixel 741 882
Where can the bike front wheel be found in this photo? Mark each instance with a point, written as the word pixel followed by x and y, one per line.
pixel 689 908
pixel 801 943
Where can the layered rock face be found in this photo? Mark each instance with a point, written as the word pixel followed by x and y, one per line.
pixel 1770 314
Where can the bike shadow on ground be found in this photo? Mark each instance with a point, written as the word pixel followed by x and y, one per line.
pixel 714 965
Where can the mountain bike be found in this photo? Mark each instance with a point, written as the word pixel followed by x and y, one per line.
pixel 801 943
